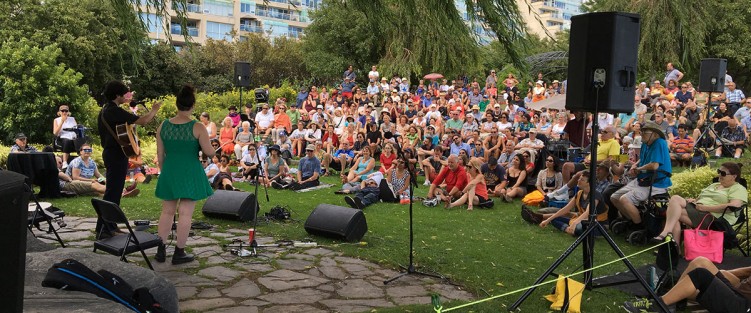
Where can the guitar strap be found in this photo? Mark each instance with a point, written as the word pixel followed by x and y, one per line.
pixel 112 132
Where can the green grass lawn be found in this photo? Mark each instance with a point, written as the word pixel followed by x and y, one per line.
pixel 488 251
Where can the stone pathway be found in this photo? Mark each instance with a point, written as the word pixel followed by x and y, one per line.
pixel 281 279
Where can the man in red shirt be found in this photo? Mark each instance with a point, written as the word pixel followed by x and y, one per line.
pixel 455 178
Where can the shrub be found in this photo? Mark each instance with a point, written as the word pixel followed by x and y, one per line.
pixel 689 183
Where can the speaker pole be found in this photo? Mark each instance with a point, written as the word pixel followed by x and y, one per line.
pixel 594 228
pixel 409 269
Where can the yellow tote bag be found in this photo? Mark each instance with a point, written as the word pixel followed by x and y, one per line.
pixel 575 290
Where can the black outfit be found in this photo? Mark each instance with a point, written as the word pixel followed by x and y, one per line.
pixel 716 293
pixel 113 156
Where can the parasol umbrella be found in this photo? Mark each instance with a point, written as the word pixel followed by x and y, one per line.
pixel 554 102
pixel 433 76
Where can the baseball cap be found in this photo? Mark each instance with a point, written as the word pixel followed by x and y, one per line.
pixel 310 147
pixel 20 136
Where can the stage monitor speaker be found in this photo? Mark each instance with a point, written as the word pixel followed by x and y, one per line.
pixel 231 205
pixel 261 96
pixel 337 222
pixel 242 74
pixel 15 198
pixel 712 75
pixel 603 50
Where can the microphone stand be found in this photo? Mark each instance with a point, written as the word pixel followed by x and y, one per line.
pixel 253 243
pixel 409 269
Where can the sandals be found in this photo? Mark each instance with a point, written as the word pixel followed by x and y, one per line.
pixel 660 239
pixel 341 192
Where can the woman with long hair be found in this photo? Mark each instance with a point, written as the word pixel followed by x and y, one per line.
pixel 387 158
pixel 64 138
pixel 550 179
pixel 182 181
pixel 515 185
pixel 210 126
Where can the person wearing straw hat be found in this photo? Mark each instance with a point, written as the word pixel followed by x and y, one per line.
pixel 654 156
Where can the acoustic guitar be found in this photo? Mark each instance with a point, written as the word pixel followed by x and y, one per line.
pixel 128 139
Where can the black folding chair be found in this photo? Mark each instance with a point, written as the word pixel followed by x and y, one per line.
pixel 124 244
pixel 731 231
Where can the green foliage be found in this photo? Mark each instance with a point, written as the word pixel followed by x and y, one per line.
pixel 730 36
pixel 33 84
pixel 689 183
pixel 285 91
pixel 87 33
pixel 671 31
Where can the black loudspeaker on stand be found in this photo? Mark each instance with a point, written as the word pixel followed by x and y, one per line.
pixel 597 83
pixel 603 48
pixel 242 74
pixel 712 75
pixel 337 222
pixel 231 205
pixel 14 194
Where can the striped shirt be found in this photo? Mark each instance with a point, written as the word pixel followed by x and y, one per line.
pixel 735 96
pixel 683 145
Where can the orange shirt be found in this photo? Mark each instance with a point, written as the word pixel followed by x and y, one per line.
pixel 282 120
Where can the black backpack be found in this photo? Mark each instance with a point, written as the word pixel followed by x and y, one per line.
pixel 72 275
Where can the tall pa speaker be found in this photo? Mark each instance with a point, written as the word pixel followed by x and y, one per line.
pixel 15 198
pixel 231 205
pixel 336 222
pixel 242 74
pixel 712 75
pixel 602 62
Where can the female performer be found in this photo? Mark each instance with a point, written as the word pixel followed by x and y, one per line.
pixel 182 181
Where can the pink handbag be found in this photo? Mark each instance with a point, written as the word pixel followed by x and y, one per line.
pixel 703 242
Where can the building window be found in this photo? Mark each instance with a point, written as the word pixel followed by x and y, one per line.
pixel 218 31
pixel 246 8
pixel 152 21
pixel 218 8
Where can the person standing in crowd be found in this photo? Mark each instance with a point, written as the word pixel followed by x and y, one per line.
pixel 115 160
pixel 183 181
pixel 672 74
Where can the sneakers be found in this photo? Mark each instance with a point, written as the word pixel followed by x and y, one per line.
pixel 426 183
pixel 276 185
pixel 355 202
pixel 644 305
pixel 431 202
pixel 531 217
pixel 351 202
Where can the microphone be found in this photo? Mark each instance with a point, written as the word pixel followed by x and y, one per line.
pixel 134 104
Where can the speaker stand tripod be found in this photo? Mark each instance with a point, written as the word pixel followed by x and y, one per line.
pixel 409 269
pixel 588 237
pixel 253 243
pixel 709 130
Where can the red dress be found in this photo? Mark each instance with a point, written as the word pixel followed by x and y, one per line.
pixel 386 161
pixel 224 135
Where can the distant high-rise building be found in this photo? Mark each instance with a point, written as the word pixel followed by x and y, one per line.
pixel 555 15
pixel 217 19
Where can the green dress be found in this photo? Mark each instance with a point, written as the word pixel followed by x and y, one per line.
pixel 182 176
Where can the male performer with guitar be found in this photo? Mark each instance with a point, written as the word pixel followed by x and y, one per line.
pixel 115 159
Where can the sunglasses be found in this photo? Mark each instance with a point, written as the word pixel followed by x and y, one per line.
pixel 550 160
pixel 87 150
pixel 204 161
pixel 64 111
pixel 722 173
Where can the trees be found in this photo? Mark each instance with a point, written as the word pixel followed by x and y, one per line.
pixel 671 31
pixel 33 84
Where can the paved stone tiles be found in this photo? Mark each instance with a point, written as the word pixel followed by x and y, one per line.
pixel 284 279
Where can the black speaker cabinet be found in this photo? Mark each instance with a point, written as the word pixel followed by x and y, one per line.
pixel 231 205
pixel 712 75
pixel 242 74
pixel 336 222
pixel 603 51
pixel 261 96
pixel 14 198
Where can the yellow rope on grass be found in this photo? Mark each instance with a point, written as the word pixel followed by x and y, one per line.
pixel 438 308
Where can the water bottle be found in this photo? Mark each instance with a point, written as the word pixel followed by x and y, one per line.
pixel 652 278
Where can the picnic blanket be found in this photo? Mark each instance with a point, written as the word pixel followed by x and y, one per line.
pixel 321 186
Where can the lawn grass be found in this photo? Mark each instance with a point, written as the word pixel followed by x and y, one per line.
pixel 488 251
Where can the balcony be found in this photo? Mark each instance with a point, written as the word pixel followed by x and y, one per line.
pixel 194 8
pixel 292 2
pixel 294 34
pixel 251 28
pixel 176 29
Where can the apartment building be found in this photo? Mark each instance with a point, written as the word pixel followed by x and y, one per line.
pixel 554 14
pixel 220 19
